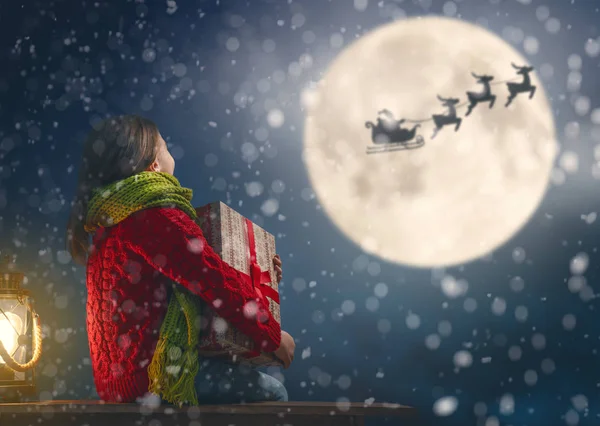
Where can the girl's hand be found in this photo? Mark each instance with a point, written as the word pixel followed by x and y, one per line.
pixel 286 349
pixel 277 263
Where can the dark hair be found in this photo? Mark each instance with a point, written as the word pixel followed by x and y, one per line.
pixel 115 149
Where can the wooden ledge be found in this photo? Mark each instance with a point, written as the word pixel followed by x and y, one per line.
pixel 261 413
pixel 297 408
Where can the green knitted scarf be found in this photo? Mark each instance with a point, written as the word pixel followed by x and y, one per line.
pixel 175 362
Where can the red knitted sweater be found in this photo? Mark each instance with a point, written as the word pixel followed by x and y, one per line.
pixel 127 283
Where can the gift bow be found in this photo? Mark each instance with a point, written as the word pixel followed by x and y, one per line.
pixel 259 278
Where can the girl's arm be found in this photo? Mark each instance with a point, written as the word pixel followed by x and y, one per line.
pixel 170 241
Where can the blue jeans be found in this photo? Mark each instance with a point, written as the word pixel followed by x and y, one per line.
pixel 220 382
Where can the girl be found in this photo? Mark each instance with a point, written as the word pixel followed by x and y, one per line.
pixel 148 265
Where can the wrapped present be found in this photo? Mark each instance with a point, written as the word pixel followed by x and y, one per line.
pixel 250 249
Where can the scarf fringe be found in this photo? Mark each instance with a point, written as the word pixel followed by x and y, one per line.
pixel 174 379
pixel 175 387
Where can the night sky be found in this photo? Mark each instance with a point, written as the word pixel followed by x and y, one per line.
pixel 520 347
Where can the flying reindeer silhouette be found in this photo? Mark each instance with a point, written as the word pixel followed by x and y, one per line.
pixel 524 86
pixel 442 120
pixel 485 96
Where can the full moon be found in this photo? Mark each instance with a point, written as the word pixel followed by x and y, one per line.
pixel 462 194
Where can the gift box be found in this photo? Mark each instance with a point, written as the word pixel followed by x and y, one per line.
pixel 250 249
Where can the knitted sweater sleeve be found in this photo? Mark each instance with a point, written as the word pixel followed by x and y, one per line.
pixel 171 242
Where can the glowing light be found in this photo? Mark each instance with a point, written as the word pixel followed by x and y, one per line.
pixel 9 325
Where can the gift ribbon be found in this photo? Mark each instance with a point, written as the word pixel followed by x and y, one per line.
pixel 259 278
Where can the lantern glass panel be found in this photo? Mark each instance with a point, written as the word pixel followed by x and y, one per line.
pixel 14 322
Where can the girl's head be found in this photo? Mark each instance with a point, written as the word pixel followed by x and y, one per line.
pixel 115 149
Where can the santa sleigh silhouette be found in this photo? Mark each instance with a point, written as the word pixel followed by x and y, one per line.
pixel 388 135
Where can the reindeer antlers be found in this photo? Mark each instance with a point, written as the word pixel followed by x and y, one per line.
pixel 448 100
pixel 528 68
pixel 482 77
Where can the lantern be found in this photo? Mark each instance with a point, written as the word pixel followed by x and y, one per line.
pixel 20 336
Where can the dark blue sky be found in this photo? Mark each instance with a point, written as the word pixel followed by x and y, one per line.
pixel 207 72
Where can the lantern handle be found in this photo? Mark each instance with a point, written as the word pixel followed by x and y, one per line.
pixel 37 346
